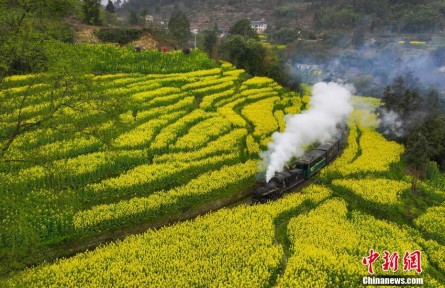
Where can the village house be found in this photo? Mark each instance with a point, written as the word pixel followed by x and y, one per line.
pixel 223 32
pixel 259 25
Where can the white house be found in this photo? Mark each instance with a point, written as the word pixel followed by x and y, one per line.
pixel 223 32
pixel 149 18
pixel 259 25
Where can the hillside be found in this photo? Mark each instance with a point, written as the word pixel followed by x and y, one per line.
pixel 383 16
pixel 316 238
pixel 204 14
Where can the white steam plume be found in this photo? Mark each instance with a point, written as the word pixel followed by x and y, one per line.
pixel 391 123
pixel 329 105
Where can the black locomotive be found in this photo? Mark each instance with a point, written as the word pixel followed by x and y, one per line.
pixel 303 169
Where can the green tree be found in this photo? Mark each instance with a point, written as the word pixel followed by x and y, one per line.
pixel 91 12
pixel 24 26
pixel 433 103
pixel 343 18
pixel 434 130
pixel 243 28
pixel 427 18
pixel 110 7
pixel 402 96
pixel 416 156
pixel 179 27
pixel 245 53
pixel 133 18
pixel 210 41
pixel 118 35
pixel 359 34
pixel 144 12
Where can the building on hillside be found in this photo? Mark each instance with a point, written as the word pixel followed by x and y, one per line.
pixel 223 32
pixel 259 25
pixel 305 67
pixel 149 19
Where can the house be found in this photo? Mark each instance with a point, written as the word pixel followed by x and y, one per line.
pixel 305 67
pixel 259 25
pixel 149 19
pixel 223 32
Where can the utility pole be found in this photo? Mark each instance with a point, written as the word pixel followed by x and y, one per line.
pixel 195 32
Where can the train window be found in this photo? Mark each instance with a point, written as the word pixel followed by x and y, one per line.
pixel 300 166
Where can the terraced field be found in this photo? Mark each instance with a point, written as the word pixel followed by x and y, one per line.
pixel 172 142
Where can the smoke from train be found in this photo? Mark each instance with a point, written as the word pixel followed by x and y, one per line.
pixel 330 104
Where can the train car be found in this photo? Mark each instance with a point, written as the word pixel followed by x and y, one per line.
pixel 311 163
pixel 330 149
pixel 315 160
pixel 281 183
pixel 305 168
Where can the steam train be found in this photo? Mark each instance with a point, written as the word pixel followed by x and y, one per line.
pixel 303 169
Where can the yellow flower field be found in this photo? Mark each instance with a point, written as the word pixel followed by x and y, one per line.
pixel 176 138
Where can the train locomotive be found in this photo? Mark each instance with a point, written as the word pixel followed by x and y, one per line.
pixel 302 170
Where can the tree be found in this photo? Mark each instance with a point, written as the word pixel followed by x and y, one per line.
pixel 426 19
pixel 416 156
pixel 434 131
pixel 133 18
pixel 179 27
pixel 210 41
pixel 411 102
pixel 110 7
pixel 24 25
pixel 359 34
pixel 91 12
pixel 144 12
pixel 243 28
pixel 403 96
pixel 343 18
pixel 432 102
pixel 245 53
pixel 70 87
